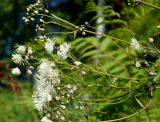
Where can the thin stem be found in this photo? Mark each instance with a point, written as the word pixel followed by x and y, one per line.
pixel 103 73
pixel 99 72
pixel 64 21
pixel 103 35
pixel 157 87
pixel 59 19
pixel 114 38
pixel 147 116
pixel 109 101
pixel 150 101
pixel 150 5
pixel 116 87
pixel 53 22
pixel 60 32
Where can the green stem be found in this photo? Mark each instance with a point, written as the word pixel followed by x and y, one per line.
pixel 103 35
pixel 114 38
pixel 147 116
pixel 64 21
pixel 54 22
pixel 99 72
pixel 119 119
pixel 150 5
pixel 52 16
pixel 71 32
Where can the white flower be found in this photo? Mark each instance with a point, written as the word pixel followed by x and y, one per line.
pixel 74 88
pixel 63 50
pixel 31 67
pixel 63 106
pixel 77 63
pixel 45 119
pixel 42 94
pixel 49 45
pixel 45 70
pixel 62 118
pixel 53 64
pixel 41 37
pixel 21 49
pixel 158 26
pixel 17 58
pixel 16 71
pixel 152 73
pixel 57 98
pixel 30 51
pixel 135 44
pixel 137 64
pixel 83 72
pixel 39 1
pixel 68 86
pixel 49 98
pixel 26 58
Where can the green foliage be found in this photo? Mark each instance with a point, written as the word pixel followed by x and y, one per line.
pixel 17 108
pixel 116 59
pixel 109 84
pixel 109 15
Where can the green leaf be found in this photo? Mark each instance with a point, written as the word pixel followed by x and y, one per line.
pixel 114 21
pixel 105 43
pixel 90 53
pixel 139 102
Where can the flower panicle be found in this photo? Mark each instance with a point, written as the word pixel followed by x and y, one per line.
pixel 135 44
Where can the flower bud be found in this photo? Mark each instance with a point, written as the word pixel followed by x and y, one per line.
pixel 151 40
pixel 29 72
pixel 16 71
pixel 30 51
pixel 63 106
pixel 77 63
pixel 137 64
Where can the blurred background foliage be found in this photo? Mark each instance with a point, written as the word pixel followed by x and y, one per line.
pixel 119 21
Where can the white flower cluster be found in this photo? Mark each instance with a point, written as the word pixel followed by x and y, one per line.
pixel 49 45
pixel 46 71
pixel 135 44
pixel 51 94
pixel 34 9
pixel 62 98
pixel 21 56
pixel 63 50
pixel 48 90
pixel 71 88
pixel 46 78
